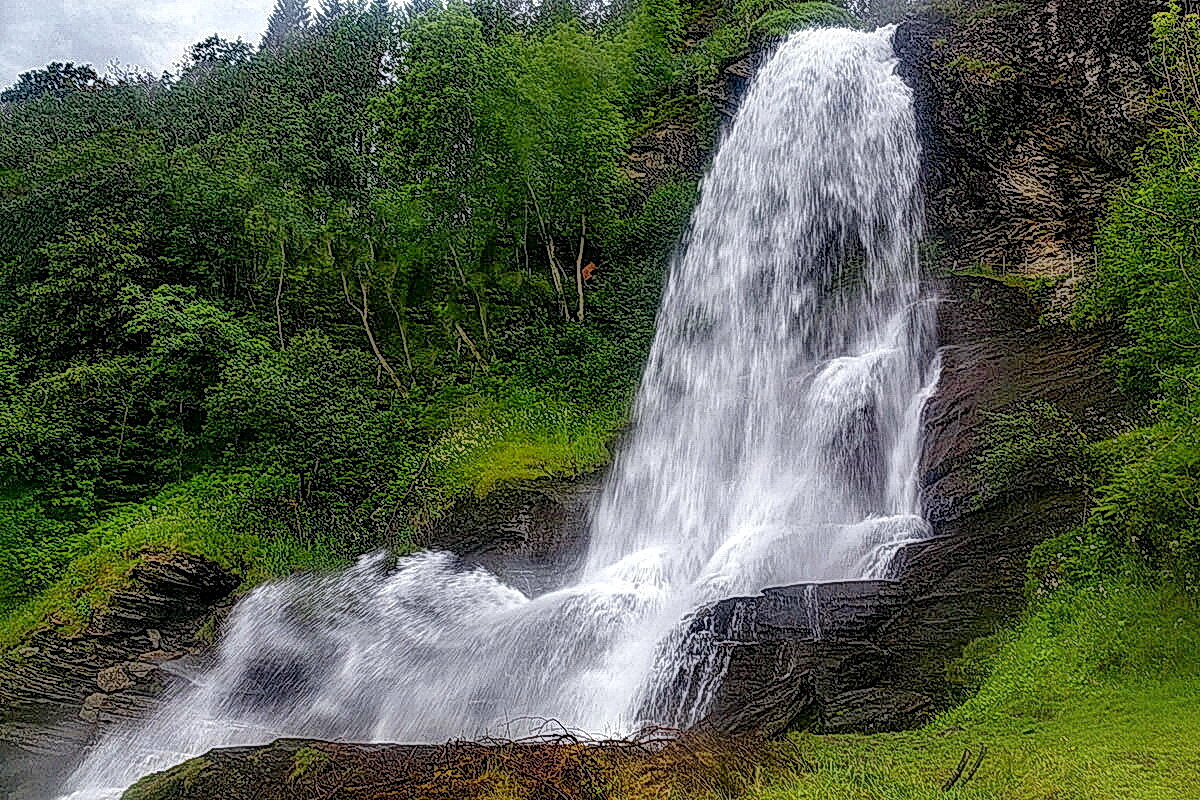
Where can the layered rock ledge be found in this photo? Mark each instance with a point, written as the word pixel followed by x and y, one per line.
pixel 57 690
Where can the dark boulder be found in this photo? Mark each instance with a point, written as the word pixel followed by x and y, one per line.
pixel 532 535
pixel 875 710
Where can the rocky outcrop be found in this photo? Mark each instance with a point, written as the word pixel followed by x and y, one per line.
pixel 1029 112
pixel 872 656
pixel 56 689
pixel 532 535
pixel 671 151
pixel 291 769
pixel 557 768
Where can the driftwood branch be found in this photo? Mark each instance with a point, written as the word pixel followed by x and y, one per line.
pixel 962 765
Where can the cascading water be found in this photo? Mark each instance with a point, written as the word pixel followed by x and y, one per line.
pixel 775 440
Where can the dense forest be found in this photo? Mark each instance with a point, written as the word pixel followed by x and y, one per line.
pixel 288 302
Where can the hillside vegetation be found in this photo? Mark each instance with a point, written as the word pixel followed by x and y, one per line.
pixel 287 303
pixel 283 305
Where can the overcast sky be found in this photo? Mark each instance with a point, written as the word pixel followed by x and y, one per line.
pixel 152 34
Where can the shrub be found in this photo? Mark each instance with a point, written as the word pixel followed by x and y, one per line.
pixel 781 22
pixel 1030 447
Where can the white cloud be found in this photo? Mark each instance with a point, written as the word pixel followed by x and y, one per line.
pixel 152 34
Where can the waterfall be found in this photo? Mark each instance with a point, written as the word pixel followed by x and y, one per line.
pixel 775 440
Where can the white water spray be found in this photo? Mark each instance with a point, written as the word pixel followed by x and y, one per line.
pixel 775 441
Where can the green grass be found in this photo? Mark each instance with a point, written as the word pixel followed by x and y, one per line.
pixel 525 437
pixel 1093 696
pixel 1037 287
pixel 208 516
pixel 1120 744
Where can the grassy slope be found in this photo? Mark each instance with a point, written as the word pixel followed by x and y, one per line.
pixel 216 515
pixel 1096 695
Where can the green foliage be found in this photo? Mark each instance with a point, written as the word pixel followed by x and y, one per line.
pixel 385 260
pixel 780 22
pixel 306 759
pixel 310 402
pixel 520 437
pixel 716 50
pixel 818 13
pixel 1143 520
pixel 1145 513
pixel 1149 254
pixel 758 21
pixel 55 80
pixel 34 544
pixel 1038 287
pixel 1031 447
pixel 160 785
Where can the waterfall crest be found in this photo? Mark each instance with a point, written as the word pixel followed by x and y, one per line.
pixel 775 440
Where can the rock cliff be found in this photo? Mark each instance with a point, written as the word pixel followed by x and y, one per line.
pixel 1029 112
pixel 57 689
pixel 872 656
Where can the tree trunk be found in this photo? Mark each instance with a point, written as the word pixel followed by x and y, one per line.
pixel 279 294
pixel 402 323
pixel 364 313
pixel 579 266
pixel 479 304
pixel 470 345
pixel 548 241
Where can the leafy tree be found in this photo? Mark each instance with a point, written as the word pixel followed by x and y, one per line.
pixel 566 134
pixel 1146 277
pixel 54 80
pixel 214 53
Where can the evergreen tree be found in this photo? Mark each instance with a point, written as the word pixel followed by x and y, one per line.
pixel 289 18
pixel 331 9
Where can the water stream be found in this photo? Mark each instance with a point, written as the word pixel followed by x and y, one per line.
pixel 775 440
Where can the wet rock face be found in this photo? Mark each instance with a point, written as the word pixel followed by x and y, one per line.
pixel 533 536
pixel 1029 111
pixel 56 690
pixel 872 656
pixel 670 151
